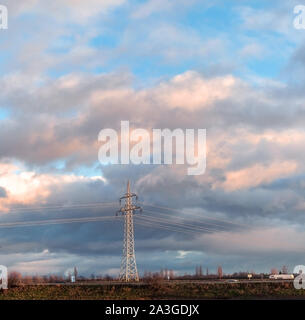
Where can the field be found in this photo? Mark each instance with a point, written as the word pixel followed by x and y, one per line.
pixel 157 290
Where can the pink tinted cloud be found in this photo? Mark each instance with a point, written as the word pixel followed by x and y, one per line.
pixel 28 187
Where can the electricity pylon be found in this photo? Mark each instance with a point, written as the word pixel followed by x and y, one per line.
pixel 129 270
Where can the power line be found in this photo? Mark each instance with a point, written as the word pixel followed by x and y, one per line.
pixel 177 224
pixel 185 219
pixel 148 218
pixel 95 205
pixel 68 207
pixel 195 215
pixel 183 224
pixel 53 221
pixel 153 225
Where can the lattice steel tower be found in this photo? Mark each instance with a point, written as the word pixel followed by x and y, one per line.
pixel 129 270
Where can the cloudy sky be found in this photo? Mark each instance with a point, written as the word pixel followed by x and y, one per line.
pixel 69 68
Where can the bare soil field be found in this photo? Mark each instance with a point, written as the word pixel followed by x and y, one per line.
pixel 156 290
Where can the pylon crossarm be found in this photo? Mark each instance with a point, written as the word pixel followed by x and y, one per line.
pixel 129 195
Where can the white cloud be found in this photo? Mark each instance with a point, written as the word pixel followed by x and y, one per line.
pixel 27 187
pixel 191 91
pixel 77 11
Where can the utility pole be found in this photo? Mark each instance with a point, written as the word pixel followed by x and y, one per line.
pixel 129 270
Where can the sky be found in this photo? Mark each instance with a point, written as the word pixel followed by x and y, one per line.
pixel 70 68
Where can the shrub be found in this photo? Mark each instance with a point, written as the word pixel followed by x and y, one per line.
pixel 14 279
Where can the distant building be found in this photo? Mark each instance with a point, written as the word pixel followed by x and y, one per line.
pixel 274 271
pixel 219 272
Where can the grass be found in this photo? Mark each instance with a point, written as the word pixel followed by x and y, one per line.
pixel 158 290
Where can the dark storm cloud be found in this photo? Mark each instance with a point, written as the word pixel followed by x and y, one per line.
pixel 2 193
